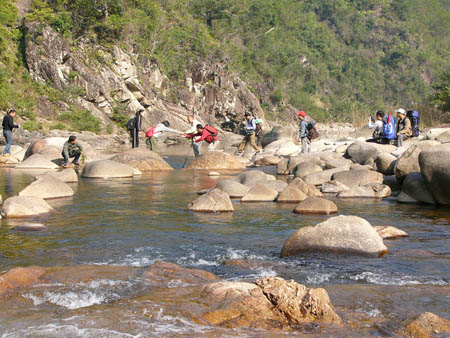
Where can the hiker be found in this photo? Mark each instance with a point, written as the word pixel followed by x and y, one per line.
pixel 134 126
pixel 72 149
pixel 303 132
pixel 207 134
pixel 258 131
pixel 193 130
pixel 377 125
pixel 404 130
pixel 249 134
pixel 154 132
pixel 8 126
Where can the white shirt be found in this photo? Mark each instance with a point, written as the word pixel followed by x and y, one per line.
pixel 160 128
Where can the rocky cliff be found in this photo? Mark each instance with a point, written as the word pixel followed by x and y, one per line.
pixel 115 81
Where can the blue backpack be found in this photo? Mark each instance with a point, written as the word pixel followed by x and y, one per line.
pixel 413 116
pixel 389 127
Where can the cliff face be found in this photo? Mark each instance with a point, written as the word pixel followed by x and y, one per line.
pixel 115 81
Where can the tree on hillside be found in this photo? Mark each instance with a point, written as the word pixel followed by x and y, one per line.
pixel 210 10
pixel 442 95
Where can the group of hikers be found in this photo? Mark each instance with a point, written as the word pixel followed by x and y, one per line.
pixel 389 129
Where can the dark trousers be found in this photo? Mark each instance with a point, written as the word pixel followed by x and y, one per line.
pixel 134 138
pixel 76 156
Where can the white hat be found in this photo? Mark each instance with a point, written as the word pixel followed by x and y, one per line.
pixel 401 111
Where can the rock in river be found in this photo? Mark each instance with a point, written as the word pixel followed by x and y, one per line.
pixel 233 188
pixel 107 169
pixel 316 205
pixel 36 161
pixel 341 234
pixel 20 277
pixel 47 187
pixel 213 201
pixel 25 206
pixel 216 160
pixel 390 232
pixel 260 193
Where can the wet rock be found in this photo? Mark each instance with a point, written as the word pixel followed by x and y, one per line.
pixel 37 161
pixel 291 194
pixel 213 201
pixel 408 162
pixel 390 232
pixel 426 325
pixel 142 159
pixel 405 198
pixel 435 169
pixel 216 160
pixel 367 191
pixel 25 206
pixel 260 192
pixel 306 168
pixel 270 302
pixel 9 160
pixel 107 169
pixel 334 187
pixel 353 178
pixel 322 177
pixel 276 185
pixel 385 163
pixel 232 188
pixel 341 234
pixel 270 160
pixel 360 152
pixel 414 186
pixel 30 227
pixel 47 187
pixel 68 175
pixel 316 205
pixel 307 189
pixel 164 272
pixel 20 277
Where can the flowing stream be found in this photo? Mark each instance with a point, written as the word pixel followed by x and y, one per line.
pixel 131 223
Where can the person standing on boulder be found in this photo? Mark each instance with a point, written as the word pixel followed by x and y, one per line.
pixel 404 129
pixel 136 129
pixel 249 134
pixel 72 149
pixel 8 126
pixel 154 132
pixel 303 132
pixel 193 130
pixel 207 134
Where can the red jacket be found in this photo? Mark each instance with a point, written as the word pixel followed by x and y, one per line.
pixel 205 136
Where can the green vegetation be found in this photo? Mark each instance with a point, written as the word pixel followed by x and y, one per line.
pixel 337 59
pixel 81 119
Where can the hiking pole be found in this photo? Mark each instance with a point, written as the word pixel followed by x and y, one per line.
pixel 187 154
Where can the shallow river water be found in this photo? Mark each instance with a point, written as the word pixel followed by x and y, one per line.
pixel 131 223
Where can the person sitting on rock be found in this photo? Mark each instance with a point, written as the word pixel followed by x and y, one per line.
pixel 72 149
pixel 8 126
pixel 303 132
pixel 193 130
pixel 250 129
pixel 207 134
pixel 404 129
pixel 155 132
pixel 377 125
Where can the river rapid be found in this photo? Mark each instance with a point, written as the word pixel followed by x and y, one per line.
pixel 99 240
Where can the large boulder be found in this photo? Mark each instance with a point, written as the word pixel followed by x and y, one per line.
pixel 277 133
pixel 353 178
pixel 341 234
pixel 291 194
pixel 392 182
pixel 408 162
pixel 434 133
pixel 321 177
pixel 405 198
pixel 25 206
pixel 414 186
pixel 260 192
pixel 277 185
pixel 142 159
pixel 213 201
pixel 367 191
pixel 282 148
pixel 333 163
pixel 333 187
pixel 385 163
pixel 216 160
pixel 41 147
pixel 444 137
pixel 251 177
pixel 68 175
pixel 269 303
pixel 307 189
pixel 435 169
pixel 232 188
pixel 361 152
pixel 316 205
pixel 20 277
pixel 306 168
pixel 37 161
pixel 107 169
pixel 47 187
pixel 287 166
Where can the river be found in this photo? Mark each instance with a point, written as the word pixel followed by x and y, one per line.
pixel 131 223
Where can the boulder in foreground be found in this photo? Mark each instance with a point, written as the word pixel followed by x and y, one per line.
pixel 25 206
pixel 213 201
pixel 107 169
pixel 47 187
pixel 341 234
pixel 216 160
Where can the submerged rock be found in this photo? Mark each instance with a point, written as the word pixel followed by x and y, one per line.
pixel 164 272
pixel 20 277
pixel 216 160
pixel 341 234
pixel 316 205
pixel 30 227
pixel 213 201
pixel 390 232
pixel 107 169
pixel 25 206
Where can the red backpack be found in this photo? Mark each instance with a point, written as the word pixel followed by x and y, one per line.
pixel 213 131
pixel 149 133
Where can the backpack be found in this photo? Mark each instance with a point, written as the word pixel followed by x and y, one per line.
pixel 149 133
pixel 131 124
pixel 258 130
pixel 312 131
pixel 213 131
pixel 389 128
pixel 413 116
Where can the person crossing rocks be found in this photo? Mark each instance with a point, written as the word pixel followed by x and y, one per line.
pixel 207 134
pixel 155 132
pixel 250 136
pixel 8 127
